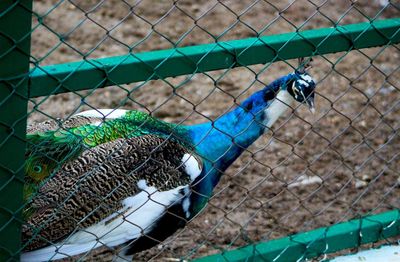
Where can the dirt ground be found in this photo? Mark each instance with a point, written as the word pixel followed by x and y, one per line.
pixel 309 171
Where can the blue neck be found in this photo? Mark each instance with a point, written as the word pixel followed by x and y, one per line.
pixel 221 142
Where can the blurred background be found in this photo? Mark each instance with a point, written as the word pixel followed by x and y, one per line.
pixel 307 172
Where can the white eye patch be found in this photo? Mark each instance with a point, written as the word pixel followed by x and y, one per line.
pixel 295 90
pixel 306 78
pixel 302 82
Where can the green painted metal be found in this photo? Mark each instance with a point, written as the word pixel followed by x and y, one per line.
pixel 317 242
pixel 15 27
pixel 96 73
pixel 15 78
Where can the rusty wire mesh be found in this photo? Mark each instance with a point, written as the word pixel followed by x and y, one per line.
pixel 308 171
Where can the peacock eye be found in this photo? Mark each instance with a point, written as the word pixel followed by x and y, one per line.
pixel 37 169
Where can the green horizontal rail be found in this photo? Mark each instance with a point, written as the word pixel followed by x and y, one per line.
pixel 317 242
pixel 96 73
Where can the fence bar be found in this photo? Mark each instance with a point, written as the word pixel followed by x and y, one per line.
pixel 90 74
pixel 317 242
pixel 15 27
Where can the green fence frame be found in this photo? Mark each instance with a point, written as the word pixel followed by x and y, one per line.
pixel 15 28
pixel 317 242
pixel 17 85
pixel 97 73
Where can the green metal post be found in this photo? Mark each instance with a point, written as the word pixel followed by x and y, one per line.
pixel 15 27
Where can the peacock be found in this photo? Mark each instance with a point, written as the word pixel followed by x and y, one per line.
pixel 125 178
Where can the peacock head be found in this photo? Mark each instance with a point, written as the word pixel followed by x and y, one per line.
pixel 301 88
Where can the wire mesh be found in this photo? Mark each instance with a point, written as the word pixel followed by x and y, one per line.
pixel 307 171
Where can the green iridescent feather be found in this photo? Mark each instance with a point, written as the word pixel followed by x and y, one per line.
pixel 48 150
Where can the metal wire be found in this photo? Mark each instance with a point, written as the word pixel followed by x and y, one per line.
pixel 305 172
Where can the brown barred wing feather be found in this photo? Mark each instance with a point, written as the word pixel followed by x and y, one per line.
pixel 93 186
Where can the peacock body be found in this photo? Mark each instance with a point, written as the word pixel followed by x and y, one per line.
pixel 119 177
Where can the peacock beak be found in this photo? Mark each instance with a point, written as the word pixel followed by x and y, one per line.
pixel 310 103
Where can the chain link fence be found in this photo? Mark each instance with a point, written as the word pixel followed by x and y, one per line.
pixel 308 171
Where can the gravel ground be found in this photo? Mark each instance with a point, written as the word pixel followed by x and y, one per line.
pixel 309 171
